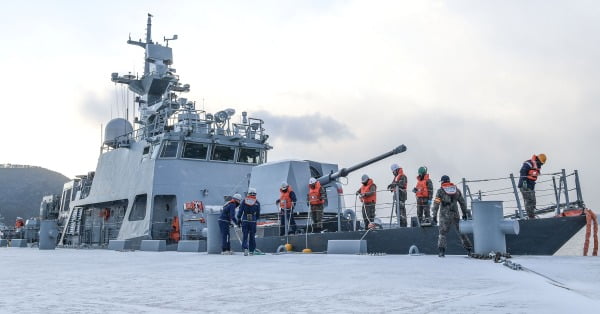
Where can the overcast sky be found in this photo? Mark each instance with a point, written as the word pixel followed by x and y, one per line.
pixel 472 88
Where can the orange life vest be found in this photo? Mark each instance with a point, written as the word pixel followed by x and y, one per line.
pixel 314 194
pixel 174 235
pixel 285 201
pixel 422 190
pixel 366 189
pixel 399 176
pixel 534 172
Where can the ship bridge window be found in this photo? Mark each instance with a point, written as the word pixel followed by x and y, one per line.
pixel 223 153
pixel 195 151
pixel 249 155
pixel 169 149
pixel 138 209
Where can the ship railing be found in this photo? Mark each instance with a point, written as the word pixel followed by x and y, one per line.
pixel 554 191
pixel 189 122
pixel 386 212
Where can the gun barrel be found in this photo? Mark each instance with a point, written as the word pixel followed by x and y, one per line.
pixel 328 178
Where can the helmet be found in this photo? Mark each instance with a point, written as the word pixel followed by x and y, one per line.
pixel 542 158
pixel 284 185
pixel 237 196
pixel 445 178
pixel 394 167
pixel 312 181
pixel 422 170
pixel 364 178
pixel 251 191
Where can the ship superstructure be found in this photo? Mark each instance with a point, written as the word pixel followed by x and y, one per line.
pixel 177 154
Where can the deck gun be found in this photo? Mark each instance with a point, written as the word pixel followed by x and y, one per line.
pixel 326 179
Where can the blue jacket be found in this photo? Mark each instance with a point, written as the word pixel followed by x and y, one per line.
pixel 228 213
pixel 247 212
pixel 525 171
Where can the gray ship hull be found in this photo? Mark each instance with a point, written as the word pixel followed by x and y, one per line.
pixel 537 237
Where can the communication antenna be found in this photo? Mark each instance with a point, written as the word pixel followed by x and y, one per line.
pixel 167 39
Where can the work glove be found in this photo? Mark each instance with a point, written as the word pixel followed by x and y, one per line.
pixel 277 202
pixel 390 187
pixel 357 193
pixel 414 190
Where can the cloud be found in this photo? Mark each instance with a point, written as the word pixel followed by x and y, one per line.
pixel 100 107
pixel 306 128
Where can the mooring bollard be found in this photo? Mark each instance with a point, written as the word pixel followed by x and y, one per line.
pixel 213 241
pixel 48 235
pixel 489 227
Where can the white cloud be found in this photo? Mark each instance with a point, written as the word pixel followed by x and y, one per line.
pixel 472 89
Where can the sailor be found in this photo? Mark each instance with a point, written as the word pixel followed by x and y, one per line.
pixel 368 196
pixel 316 199
pixel 445 200
pixel 424 194
pixel 398 185
pixel 226 219
pixel 247 216
pixel 528 175
pixel 286 202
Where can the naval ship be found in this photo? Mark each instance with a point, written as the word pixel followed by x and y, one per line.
pixel 159 180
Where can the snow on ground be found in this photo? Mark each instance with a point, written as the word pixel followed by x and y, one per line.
pixel 102 281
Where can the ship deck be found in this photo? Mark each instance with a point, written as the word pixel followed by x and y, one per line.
pixel 103 281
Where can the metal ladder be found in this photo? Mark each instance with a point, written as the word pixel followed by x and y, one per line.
pixel 73 225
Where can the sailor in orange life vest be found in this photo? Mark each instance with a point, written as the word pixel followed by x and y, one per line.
pixel 399 183
pixel 316 199
pixel 528 175
pixel 286 202
pixel 368 195
pixel 424 193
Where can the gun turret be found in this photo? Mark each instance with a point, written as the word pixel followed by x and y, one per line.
pixel 326 179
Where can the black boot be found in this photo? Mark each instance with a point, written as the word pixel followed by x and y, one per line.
pixel 469 251
pixel 442 252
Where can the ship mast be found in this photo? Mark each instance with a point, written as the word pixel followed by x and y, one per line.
pixel 156 88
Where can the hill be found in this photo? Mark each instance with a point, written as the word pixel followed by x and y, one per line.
pixel 22 189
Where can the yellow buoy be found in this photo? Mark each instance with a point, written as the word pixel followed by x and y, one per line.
pixel 288 247
pixel 307 250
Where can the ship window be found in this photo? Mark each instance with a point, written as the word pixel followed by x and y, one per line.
pixel 195 151
pixel 314 172
pixel 146 150
pixel 138 209
pixel 249 155
pixel 223 153
pixel 169 149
